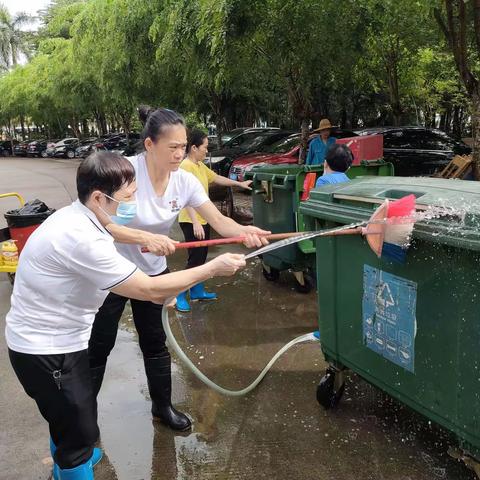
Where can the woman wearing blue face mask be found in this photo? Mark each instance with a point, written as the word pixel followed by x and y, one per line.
pixel 126 211
pixel 65 271
pixel 163 190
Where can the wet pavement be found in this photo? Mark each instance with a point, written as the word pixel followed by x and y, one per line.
pixel 279 431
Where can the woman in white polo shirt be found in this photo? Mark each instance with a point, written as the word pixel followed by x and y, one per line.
pixel 163 191
pixel 66 269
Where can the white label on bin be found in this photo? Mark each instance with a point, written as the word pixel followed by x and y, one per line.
pixel 389 316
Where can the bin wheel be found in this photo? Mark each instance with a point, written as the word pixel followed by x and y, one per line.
pixel 11 277
pixel 461 456
pixel 304 283
pixel 330 389
pixel 271 274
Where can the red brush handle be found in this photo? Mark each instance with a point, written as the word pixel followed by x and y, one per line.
pixel 226 241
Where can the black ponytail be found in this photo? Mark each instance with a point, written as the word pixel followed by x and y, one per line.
pixel 155 120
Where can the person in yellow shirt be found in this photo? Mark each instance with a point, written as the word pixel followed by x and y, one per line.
pixel 194 227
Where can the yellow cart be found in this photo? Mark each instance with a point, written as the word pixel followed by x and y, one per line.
pixel 5 235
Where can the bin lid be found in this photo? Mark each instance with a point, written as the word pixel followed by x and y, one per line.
pixel 285 172
pixel 451 207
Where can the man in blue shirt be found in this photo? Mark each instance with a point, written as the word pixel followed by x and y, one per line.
pixel 319 145
pixel 337 162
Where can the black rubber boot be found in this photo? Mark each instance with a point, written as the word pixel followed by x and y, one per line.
pixel 159 376
pixel 97 374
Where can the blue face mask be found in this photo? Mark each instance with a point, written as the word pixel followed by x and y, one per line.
pixel 126 211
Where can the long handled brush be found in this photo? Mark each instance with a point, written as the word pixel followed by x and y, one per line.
pixel 387 232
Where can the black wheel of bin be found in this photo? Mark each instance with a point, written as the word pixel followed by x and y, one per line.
pixel 307 284
pixel 11 277
pixel 327 396
pixel 272 276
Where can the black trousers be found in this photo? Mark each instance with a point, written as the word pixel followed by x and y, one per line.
pixel 61 387
pixel 147 317
pixel 196 256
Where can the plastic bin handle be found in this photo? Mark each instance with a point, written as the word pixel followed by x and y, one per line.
pixel 280 186
pixel 14 194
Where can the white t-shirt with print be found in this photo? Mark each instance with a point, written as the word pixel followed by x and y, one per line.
pixel 64 274
pixel 157 214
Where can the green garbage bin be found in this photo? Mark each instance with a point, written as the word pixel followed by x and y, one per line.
pixel 277 191
pixel 412 329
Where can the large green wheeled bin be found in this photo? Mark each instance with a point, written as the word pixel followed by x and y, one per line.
pixel 411 329
pixel 277 192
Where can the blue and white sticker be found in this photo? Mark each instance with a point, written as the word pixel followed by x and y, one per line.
pixel 389 316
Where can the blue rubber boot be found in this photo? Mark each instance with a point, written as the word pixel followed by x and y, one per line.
pixel 82 472
pixel 182 304
pixel 197 292
pixel 95 458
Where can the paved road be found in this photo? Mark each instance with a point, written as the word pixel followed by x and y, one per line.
pixel 278 432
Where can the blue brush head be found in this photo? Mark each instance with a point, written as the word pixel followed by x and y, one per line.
pixel 394 252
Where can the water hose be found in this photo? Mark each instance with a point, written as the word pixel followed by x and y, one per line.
pixel 309 337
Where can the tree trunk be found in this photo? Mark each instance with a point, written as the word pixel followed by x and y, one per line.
pixel 448 120
pixel 216 103
pixel 22 125
pixel 304 141
pixel 476 136
pixel 443 123
pixel 75 128
pixel 343 117
pixel 391 65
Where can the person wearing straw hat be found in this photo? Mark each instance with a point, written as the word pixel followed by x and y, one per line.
pixel 320 144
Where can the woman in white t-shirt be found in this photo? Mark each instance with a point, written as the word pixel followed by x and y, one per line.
pixel 163 190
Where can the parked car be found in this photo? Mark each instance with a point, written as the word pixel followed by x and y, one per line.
pixel 37 148
pixel 115 142
pixel 226 137
pixel 66 148
pixel 49 152
pixel 88 146
pixel 247 142
pixel 6 147
pixel 128 148
pixel 285 151
pixel 20 149
pixel 416 151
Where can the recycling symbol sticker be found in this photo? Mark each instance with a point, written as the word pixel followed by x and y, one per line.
pixel 389 316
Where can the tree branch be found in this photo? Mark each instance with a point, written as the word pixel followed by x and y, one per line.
pixel 457 40
pixel 462 31
pixel 441 23
pixel 476 21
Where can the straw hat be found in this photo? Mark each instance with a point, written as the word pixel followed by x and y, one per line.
pixel 324 125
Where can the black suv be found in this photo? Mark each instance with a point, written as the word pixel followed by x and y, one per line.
pixel 416 151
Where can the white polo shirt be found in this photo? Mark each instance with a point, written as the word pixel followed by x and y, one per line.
pixel 157 214
pixel 64 274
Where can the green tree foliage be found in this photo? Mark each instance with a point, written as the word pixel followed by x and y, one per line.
pixel 14 40
pixel 233 62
